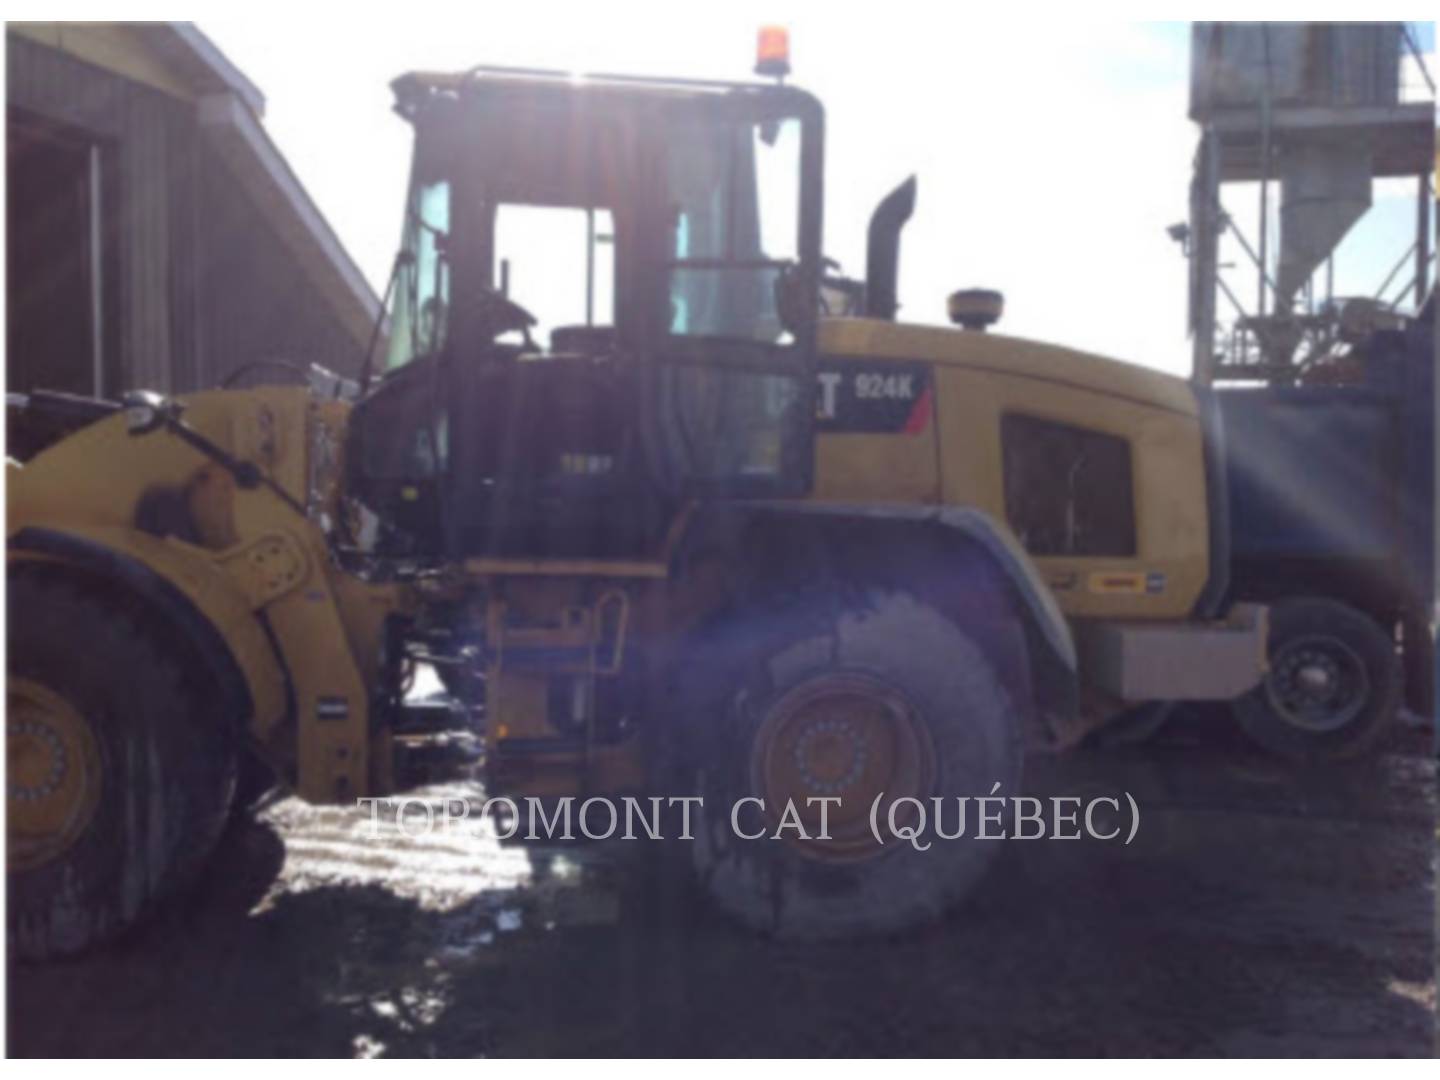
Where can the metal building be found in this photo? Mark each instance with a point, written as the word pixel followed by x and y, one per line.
pixel 155 235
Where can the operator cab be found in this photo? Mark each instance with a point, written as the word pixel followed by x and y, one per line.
pixel 604 305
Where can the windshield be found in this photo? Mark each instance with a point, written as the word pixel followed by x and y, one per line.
pixel 734 226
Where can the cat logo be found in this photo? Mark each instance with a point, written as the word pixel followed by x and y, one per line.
pixel 874 397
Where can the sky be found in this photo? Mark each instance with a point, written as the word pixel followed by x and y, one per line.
pixel 1051 157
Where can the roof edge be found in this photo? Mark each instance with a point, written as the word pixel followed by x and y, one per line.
pixel 208 53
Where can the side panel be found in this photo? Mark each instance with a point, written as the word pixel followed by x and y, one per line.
pixel 877 434
pixel 1169 567
pixel 1312 472
pixel 980 380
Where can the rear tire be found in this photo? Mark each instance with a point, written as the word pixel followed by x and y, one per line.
pixel 1333 687
pixel 104 713
pixel 926 684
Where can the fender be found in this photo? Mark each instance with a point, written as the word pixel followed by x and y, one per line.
pixel 974 525
pixel 1054 665
pixel 199 601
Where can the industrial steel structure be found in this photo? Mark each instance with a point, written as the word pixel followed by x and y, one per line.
pixel 1312 113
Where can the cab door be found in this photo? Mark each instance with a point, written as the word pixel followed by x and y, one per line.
pixel 735 217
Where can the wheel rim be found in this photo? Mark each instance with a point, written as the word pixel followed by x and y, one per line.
pixel 53 774
pixel 1317 683
pixel 849 736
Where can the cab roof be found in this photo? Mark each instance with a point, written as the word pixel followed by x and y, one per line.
pixel 416 88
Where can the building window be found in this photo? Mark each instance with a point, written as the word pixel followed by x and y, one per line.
pixel 1068 490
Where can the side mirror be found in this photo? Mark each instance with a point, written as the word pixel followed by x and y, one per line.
pixel 147 411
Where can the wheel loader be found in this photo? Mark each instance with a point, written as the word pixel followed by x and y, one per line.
pixel 688 514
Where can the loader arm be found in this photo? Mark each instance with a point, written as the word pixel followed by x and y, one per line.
pixel 241 576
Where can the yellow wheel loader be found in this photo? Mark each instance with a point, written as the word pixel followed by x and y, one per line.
pixel 670 508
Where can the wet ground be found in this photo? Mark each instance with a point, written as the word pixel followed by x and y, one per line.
pixel 1256 912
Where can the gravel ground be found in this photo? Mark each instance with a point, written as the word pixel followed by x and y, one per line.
pixel 1257 912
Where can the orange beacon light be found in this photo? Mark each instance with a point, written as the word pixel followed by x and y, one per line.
pixel 772 52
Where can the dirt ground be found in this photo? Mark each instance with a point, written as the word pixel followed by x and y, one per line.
pixel 1256 913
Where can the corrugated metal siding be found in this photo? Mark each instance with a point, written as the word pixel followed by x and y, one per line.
pixel 1303 64
pixel 200 283
pixel 258 304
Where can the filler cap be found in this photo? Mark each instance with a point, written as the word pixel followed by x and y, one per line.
pixel 976 309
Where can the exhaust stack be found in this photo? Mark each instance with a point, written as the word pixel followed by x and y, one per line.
pixel 882 251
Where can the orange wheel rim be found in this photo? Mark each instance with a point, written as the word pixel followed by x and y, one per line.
pixel 52 774
pixel 850 737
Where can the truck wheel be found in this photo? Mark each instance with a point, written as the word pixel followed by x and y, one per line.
pixel 1333 685
pixel 883 696
pixel 119 783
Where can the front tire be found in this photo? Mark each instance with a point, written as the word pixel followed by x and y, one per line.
pixel 883 695
pixel 1333 687
pixel 120 776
